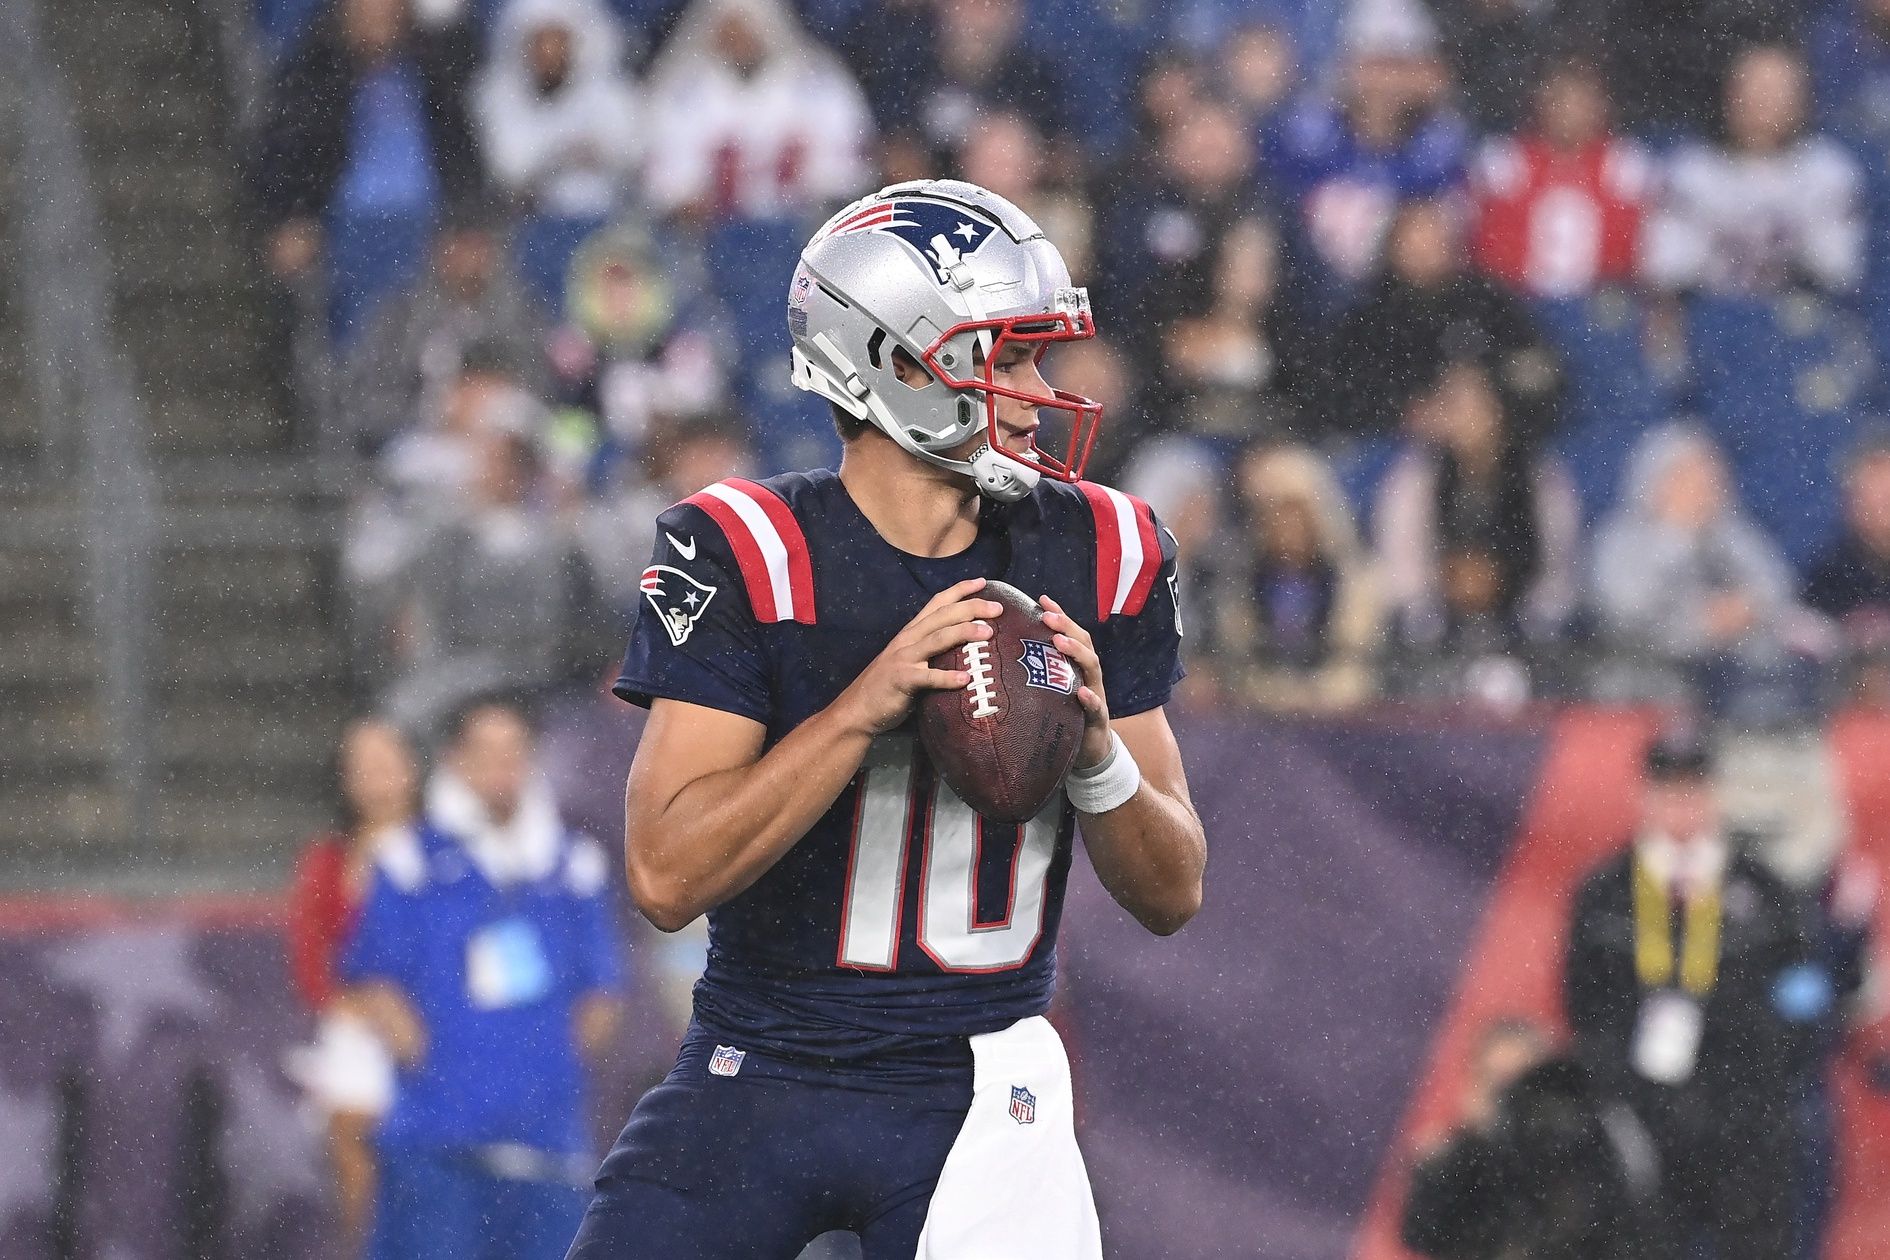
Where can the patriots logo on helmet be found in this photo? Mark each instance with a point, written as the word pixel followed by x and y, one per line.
pixel 1047 669
pixel 679 600
pixel 944 234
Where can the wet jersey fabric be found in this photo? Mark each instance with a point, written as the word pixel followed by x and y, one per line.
pixel 901 923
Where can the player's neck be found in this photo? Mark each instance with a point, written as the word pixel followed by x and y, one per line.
pixel 921 510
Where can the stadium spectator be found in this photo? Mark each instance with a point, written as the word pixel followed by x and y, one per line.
pixel 559 127
pixel 642 342
pixel 1540 1168
pixel 1693 990
pixel 1183 480
pixel 1257 70
pixel 1168 89
pixel 1684 577
pixel 1851 580
pixel 1163 239
pixel 432 461
pixel 486 956
pixel 1849 55
pixel 1667 61
pixel 751 118
pixel 1097 369
pixel 1232 354
pixel 1428 309
pixel 1005 152
pixel 1559 207
pixel 1776 206
pixel 1497 49
pixel 467 305
pixel 490 592
pixel 933 69
pixel 1341 166
pixel 347 1073
pixel 1295 609
pixel 680 457
pixel 366 138
pixel 1478 532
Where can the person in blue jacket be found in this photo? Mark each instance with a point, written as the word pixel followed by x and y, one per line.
pixel 486 955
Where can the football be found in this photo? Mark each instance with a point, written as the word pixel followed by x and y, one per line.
pixel 1004 742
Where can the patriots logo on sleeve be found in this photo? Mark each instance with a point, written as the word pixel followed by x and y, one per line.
pixel 944 235
pixel 679 600
pixel 1047 669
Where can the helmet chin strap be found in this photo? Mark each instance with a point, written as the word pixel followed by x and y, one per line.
pixel 998 476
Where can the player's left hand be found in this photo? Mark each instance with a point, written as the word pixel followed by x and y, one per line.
pixel 1075 642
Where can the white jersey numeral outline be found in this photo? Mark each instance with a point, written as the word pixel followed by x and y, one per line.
pixel 950 930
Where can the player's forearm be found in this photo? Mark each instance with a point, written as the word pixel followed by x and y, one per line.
pixel 1150 853
pixel 723 831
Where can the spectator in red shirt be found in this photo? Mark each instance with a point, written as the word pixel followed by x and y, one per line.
pixel 1559 206
pixel 345 1072
pixel 376 786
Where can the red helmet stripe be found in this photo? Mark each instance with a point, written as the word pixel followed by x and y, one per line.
pixel 882 208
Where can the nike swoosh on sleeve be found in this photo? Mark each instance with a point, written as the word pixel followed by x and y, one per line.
pixel 687 552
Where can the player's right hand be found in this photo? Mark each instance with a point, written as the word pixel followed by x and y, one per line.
pixel 881 697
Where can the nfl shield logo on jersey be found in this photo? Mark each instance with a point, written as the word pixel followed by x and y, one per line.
pixel 727 1060
pixel 1047 669
pixel 1023 1105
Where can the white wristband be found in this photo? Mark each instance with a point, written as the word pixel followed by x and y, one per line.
pixel 1107 784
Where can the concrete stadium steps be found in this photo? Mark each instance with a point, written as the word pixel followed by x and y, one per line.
pixel 247 677
pixel 147 82
pixel 254 683
pixel 248 689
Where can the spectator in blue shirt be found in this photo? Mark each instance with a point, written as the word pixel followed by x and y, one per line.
pixel 1342 165
pixel 486 956
pixel 1849 52
pixel 365 140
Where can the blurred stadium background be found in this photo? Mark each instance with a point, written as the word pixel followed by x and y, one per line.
pixel 348 349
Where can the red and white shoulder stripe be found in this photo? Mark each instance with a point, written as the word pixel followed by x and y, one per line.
pixel 769 547
pixel 1128 553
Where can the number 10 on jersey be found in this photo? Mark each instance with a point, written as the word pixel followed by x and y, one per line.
pixel 900 808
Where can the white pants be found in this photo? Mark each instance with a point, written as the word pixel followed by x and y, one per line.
pixel 1014 1186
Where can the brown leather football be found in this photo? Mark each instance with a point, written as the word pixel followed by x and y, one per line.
pixel 1005 742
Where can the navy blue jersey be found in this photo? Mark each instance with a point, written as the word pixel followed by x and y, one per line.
pixel 901 915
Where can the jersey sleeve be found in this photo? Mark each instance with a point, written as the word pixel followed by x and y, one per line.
pixel 1141 645
pixel 695 637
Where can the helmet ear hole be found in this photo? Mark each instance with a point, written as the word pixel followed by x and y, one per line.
pixel 873 344
pixel 967 411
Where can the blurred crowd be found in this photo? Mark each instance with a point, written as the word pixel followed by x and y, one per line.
pixel 1470 348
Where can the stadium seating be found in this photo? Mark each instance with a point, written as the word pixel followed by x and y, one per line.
pixel 1776 382
pixel 1612 397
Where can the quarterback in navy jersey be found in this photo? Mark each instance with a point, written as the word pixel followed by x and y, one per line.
pixel 868 1050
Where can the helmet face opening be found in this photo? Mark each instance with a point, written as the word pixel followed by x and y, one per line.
pixel 1070 322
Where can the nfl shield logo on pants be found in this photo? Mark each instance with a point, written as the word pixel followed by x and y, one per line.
pixel 1023 1105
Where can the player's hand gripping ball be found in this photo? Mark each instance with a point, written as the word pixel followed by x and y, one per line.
pixel 1005 741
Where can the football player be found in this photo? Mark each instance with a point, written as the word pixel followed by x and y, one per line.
pixel 869 1051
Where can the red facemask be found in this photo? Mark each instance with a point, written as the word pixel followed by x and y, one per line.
pixel 1040 332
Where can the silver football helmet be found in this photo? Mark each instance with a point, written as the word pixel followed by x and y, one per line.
pixel 950 273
